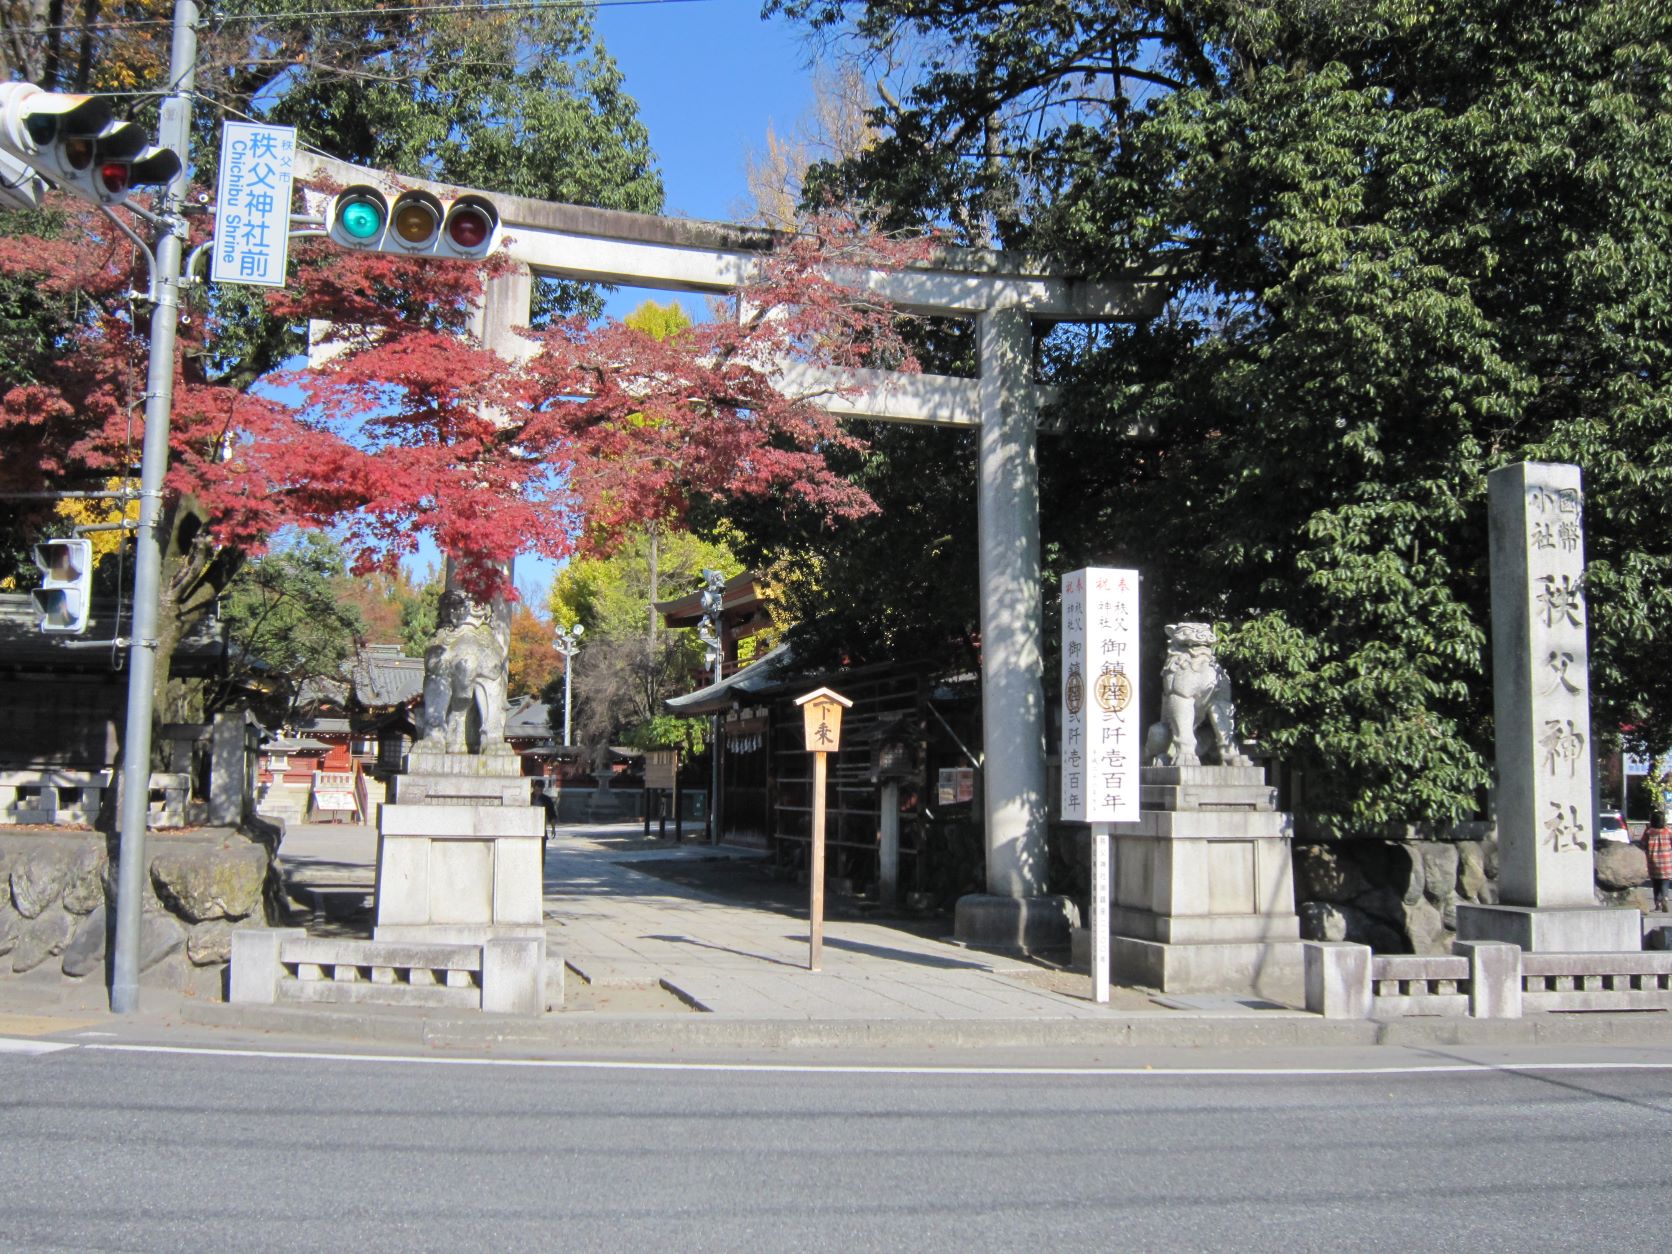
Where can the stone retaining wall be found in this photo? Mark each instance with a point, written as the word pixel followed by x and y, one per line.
pixel 57 904
pixel 1401 896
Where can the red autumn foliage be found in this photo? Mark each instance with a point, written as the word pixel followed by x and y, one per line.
pixel 412 426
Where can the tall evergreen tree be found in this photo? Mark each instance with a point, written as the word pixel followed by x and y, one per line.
pixel 1401 244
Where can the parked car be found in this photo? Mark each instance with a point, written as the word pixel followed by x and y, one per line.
pixel 1611 825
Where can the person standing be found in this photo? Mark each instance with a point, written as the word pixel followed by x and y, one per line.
pixel 1657 843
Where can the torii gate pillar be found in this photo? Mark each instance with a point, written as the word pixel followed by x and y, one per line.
pixel 1012 914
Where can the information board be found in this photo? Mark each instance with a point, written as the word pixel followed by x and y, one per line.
pixel 1102 741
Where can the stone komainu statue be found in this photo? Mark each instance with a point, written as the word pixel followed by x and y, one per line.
pixel 464 679
pixel 1195 690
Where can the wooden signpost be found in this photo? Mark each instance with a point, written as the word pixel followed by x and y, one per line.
pixel 821 712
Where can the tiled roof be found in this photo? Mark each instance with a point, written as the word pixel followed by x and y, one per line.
pixel 382 676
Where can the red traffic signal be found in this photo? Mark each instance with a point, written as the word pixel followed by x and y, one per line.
pixel 74 142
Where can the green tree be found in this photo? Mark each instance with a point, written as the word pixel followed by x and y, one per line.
pixel 1398 245
pixel 420 609
pixel 288 627
pixel 627 663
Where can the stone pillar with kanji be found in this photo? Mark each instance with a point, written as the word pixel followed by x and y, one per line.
pixel 1542 718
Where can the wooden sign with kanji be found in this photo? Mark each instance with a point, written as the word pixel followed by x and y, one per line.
pixel 821 711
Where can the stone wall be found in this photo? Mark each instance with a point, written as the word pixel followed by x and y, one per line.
pixel 1400 896
pixel 57 908
pixel 1395 896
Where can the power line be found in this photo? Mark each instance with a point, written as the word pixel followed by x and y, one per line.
pixel 314 15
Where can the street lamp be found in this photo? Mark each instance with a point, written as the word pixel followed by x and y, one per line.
pixel 568 644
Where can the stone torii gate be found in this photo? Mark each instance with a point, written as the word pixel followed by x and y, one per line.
pixel 1004 295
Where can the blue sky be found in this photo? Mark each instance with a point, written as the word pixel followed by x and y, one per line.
pixel 709 77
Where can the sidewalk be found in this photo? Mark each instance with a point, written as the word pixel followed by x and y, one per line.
pixel 691 947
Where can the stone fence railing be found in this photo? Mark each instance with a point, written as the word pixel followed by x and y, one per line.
pixel 1483 980
pixel 284 965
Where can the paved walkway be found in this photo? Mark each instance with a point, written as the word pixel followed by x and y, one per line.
pixel 619 927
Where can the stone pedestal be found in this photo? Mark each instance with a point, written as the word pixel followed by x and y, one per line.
pixel 460 860
pixel 433 777
pixel 1204 896
pixel 1569 930
pixel 459 874
pixel 1013 925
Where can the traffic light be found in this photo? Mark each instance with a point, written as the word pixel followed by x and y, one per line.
pixel 20 186
pixel 415 224
pixel 713 594
pixel 67 576
pixel 74 142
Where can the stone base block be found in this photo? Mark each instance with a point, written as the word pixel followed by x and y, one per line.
pixel 1014 924
pixel 1338 979
pixel 1273 969
pixel 1205 929
pixel 1563 930
pixel 493 790
pixel 1226 825
pixel 459 867
pixel 453 933
pixel 514 976
pixel 1495 987
pixel 1208 776
pixel 557 974
pixel 255 971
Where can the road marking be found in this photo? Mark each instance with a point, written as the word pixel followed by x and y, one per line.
pixel 16 1045
pixel 881 1069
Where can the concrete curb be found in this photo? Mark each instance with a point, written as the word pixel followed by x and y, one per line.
pixel 601 1033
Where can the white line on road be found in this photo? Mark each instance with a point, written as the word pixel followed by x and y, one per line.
pixel 573 1064
pixel 15 1045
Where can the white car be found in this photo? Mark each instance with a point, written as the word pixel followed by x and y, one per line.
pixel 1611 825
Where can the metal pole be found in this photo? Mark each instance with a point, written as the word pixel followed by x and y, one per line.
pixel 714 758
pixel 174 131
pixel 888 852
pixel 568 670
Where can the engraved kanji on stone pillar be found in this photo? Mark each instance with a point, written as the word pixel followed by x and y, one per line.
pixel 1540 688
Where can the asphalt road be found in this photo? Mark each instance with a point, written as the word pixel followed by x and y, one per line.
pixel 108 1148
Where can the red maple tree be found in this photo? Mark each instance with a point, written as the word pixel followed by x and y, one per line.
pixel 413 427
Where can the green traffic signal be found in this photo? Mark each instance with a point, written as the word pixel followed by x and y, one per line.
pixel 362 219
pixel 416 223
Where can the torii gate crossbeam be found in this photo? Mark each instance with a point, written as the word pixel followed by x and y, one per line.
pixel 1004 295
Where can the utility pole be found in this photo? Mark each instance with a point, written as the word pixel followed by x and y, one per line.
pixel 174 131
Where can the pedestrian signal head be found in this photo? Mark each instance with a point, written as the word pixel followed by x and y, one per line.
pixel 66 584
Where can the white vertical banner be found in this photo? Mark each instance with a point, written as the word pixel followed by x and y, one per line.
pixel 1102 741
pixel 1100 893
pixel 252 204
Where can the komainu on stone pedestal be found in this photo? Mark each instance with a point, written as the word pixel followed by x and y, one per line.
pixel 464 680
pixel 1197 716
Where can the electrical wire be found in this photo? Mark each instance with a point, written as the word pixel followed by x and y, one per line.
pixel 314 15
